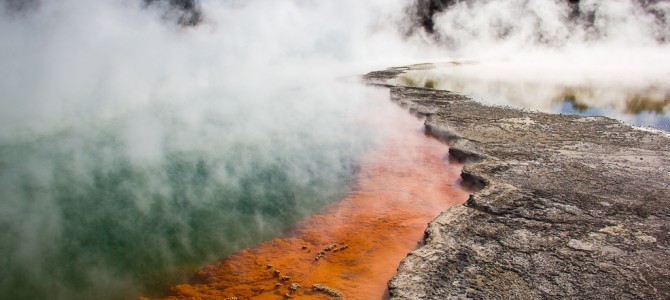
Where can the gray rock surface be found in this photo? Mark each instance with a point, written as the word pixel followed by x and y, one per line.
pixel 570 206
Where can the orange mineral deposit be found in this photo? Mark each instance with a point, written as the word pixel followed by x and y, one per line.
pixel 352 248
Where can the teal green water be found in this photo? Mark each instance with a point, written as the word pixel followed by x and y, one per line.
pixel 86 213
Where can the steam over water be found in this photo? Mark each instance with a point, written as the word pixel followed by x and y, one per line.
pixel 592 58
pixel 134 150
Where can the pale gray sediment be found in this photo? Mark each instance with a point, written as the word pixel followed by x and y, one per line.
pixel 571 206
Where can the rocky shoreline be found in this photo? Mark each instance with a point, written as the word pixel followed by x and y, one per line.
pixel 569 206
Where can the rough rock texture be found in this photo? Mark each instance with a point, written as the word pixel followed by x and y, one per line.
pixel 571 207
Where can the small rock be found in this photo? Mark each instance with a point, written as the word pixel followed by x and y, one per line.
pixel 580 245
pixel 646 238
pixel 326 290
pixel 293 287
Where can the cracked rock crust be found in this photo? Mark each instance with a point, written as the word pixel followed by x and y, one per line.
pixel 571 206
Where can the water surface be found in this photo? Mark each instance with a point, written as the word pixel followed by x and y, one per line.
pixel 402 185
pixel 643 103
pixel 112 208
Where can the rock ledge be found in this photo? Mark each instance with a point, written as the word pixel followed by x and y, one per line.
pixel 570 206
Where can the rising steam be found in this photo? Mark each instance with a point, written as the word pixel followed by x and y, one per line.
pixel 600 57
pixel 134 149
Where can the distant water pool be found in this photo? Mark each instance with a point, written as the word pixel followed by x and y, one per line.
pixel 644 104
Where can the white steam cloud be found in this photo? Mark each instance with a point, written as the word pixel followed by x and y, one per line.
pixel 507 28
pixel 612 56
pixel 133 150
pixel 112 56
